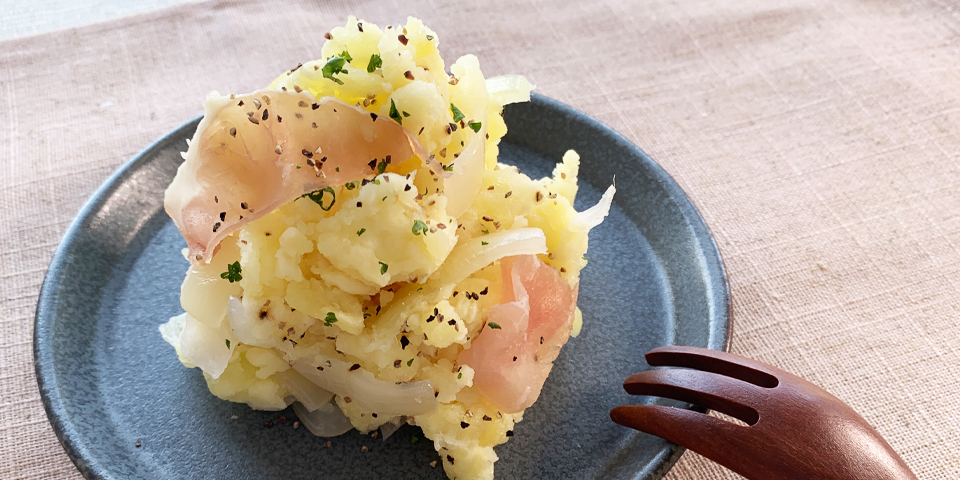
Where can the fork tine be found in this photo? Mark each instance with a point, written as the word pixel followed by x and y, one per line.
pixel 714 361
pixel 723 394
pixel 711 437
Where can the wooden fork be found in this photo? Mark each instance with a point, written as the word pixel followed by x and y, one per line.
pixel 796 430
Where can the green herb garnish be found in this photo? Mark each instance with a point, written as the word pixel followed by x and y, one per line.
pixel 409 363
pixel 457 114
pixel 317 198
pixel 475 126
pixel 233 272
pixel 382 166
pixel 448 168
pixel 374 63
pixel 405 114
pixel 335 66
pixel 394 114
pixel 360 232
pixel 484 243
pixel 227 340
pixel 350 185
pixel 330 319
pixel 494 326
pixel 459 375
pixel 383 268
pixel 419 226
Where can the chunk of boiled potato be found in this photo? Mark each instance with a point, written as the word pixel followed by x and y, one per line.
pixel 373 240
pixel 204 293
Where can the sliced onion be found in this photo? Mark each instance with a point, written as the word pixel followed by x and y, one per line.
pixel 208 348
pixel 306 392
pixel 245 325
pixel 171 330
pixel 507 89
pixel 464 184
pixel 326 421
pixel 371 394
pixel 391 426
pixel 465 259
pixel 470 256
pixel 594 215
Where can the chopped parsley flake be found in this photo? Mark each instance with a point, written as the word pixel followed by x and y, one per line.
pixel 350 185
pixel 382 166
pixel 409 363
pixel 374 63
pixel 484 243
pixel 227 340
pixel 459 375
pixel 317 198
pixel 335 66
pixel 405 114
pixel 485 232
pixel 448 168
pixel 457 114
pixel 419 226
pixel 360 232
pixel 330 319
pixel 233 272
pixel 475 126
pixel 394 114
pixel 495 326
pixel 383 268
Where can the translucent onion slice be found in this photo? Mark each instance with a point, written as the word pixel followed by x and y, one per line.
pixel 594 215
pixel 171 331
pixel 371 394
pixel 462 187
pixel 306 392
pixel 470 256
pixel 507 89
pixel 246 327
pixel 326 421
pixel 465 259
pixel 391 426
pixel 208 348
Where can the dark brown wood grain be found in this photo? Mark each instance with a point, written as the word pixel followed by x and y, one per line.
pixel 794 429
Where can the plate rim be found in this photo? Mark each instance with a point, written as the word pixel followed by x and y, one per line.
pixel 44 319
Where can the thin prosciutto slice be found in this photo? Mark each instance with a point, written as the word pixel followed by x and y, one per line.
pixel 253 153
pixel 535 318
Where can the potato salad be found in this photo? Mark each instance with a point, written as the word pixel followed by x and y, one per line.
pixel 357 250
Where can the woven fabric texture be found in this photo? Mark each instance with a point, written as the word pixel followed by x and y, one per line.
pixel 820 139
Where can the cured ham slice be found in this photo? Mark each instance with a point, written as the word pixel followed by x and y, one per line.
pixel 514 353
pixel 253 153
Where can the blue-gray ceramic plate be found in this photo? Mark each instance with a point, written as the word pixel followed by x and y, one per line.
pixel 124 408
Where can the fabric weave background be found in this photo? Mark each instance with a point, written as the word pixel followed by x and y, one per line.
pixel 820 139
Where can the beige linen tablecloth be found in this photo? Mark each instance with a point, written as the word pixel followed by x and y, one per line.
pixel 820 140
